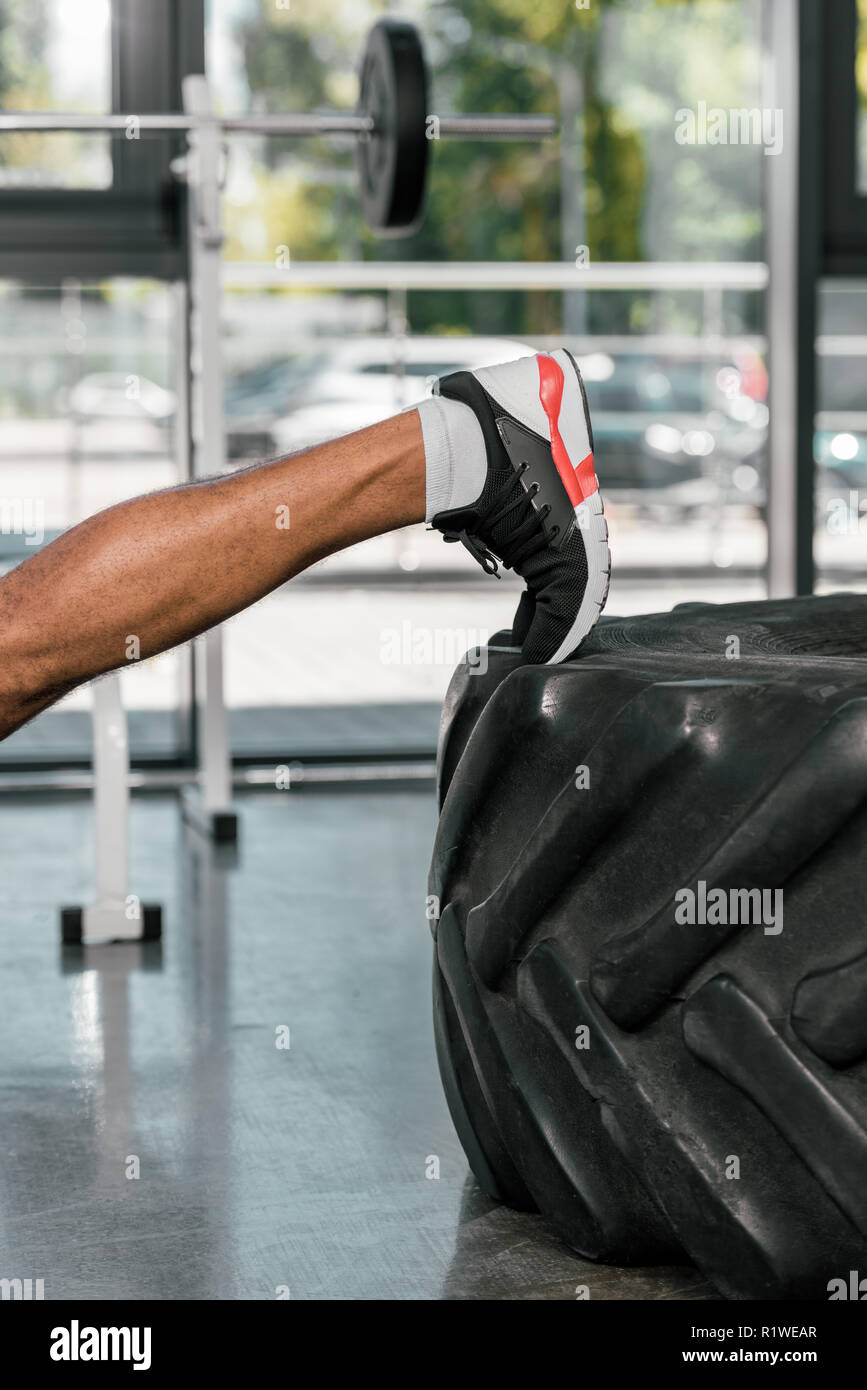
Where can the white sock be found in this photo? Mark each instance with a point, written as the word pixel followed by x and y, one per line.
pixel 454 452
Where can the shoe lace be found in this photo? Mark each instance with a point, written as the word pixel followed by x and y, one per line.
pixel 525 540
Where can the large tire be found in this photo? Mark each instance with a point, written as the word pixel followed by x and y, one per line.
pixel 657 1089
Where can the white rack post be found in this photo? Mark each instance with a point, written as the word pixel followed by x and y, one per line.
pixel 115 914
pixel 210 811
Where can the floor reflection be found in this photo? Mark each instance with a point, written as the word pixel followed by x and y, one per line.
pixel 260 1167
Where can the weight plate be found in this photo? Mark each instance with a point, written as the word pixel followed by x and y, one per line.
pixel 392 161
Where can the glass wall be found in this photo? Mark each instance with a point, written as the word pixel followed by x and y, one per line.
pixel 55 56
pixel 861 90
pixel 87 418
pixel 356 655
pixel 840 542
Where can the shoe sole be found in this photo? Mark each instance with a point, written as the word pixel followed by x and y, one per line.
pixel 573 459
pixel 537 395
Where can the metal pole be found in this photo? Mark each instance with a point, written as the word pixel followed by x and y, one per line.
pixel 499 127
pixel 106 918
pixel 498 275
pixel 183 455
pixel 133 125
pixel 573 228
pixel 298 123
pixel 781 237
pixel 110 767
pixel 205 244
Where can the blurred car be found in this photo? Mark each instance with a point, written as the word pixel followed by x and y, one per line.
pixel 255 398
pixel 119 396
pixel 364 381
pixel 677 432
pixel 841 477
pixel 840 480
pixel 671 431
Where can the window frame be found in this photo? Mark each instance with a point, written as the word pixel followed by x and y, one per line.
pixel 136 226
pixel 845 209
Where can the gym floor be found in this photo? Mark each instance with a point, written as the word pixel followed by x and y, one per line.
pixel 261 1168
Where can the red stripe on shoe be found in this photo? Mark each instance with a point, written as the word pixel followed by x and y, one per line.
pixel 586 478
pixel 579 482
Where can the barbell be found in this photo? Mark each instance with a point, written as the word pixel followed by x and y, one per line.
pixel 392 127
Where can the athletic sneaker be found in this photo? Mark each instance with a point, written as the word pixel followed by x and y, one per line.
pixel 539 512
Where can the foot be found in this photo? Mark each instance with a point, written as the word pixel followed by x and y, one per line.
pixel 539 512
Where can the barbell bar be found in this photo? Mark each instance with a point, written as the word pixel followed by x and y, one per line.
pixel 392 127
pixel 293 124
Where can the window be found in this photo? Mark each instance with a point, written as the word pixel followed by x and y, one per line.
pixel 87 418
pixel 55 57
pixel 93 205
pixel 840 440
pixel 355 655
pixel 861 91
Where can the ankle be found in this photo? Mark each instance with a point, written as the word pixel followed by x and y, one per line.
pixel 455 456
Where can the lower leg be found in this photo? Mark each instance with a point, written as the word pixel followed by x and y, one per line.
pixel 165 567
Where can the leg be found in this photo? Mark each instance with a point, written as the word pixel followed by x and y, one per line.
pixel 169 565
pixel 501 458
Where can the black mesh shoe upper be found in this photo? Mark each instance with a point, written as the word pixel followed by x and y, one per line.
pixel 506 522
